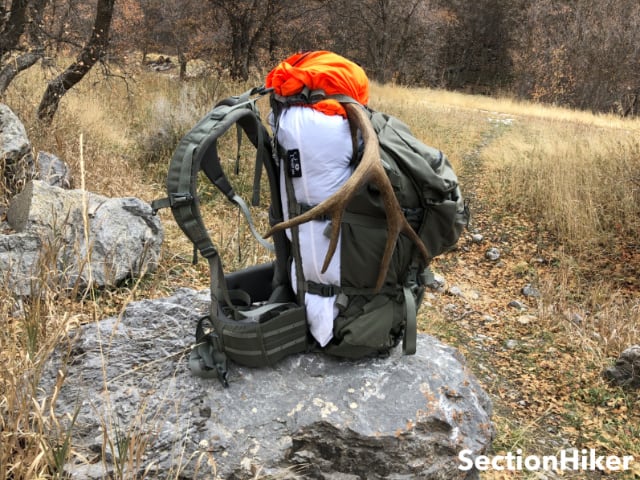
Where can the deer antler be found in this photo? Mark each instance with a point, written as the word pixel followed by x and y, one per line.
pixel 368 170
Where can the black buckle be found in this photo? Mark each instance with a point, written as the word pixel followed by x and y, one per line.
pixel 180 199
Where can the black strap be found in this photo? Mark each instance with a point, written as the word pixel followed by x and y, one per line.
pixel 207 358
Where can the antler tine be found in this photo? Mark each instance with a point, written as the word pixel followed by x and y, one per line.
pixel 368 170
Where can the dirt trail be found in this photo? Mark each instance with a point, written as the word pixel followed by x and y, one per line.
pixel 482 310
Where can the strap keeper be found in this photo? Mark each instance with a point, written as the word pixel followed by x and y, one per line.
pixel 209 251
pixel 180 199
pixel 323 289
pixel 159 204
pixel 173 200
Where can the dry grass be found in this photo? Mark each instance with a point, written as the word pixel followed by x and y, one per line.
pixel 575 173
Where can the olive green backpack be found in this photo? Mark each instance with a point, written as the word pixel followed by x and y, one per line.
pixel 255 319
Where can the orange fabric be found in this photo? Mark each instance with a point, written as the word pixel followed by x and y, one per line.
pixel 320 70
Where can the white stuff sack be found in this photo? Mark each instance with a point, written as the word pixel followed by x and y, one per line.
pixel 324 150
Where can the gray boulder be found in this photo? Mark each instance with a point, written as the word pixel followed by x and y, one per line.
pixel 16 160
pixel 124 238
pixel 310 416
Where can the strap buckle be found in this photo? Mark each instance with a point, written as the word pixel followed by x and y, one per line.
pixel 180 199
pixel 176 199
pixel 323 289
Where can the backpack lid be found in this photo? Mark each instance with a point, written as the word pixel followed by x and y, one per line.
pixel 323 71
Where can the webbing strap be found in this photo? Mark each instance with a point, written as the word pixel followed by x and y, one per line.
pixel 256 313
pixel 294 209
pixel 247 214
pixel 207 358
pixel 328 290
pixel 411 328
pixel 309 97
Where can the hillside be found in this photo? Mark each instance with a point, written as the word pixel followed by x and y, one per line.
pixel 555 192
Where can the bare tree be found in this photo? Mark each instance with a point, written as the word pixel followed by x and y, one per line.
pixel 92 52
pixel 392 40
pixel 572 54
pixel 248 22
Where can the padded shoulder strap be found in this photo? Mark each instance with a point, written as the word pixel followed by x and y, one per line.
pixel 198 151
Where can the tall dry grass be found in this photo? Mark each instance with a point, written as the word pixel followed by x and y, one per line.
pixel 579 183
pixel 120 135
pixel 575 173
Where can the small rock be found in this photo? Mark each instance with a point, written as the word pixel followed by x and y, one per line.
pixel 436 282
pixel 455 291
pixel 450 308
pixel 626 371
pixel 477 238
pixel 517 304
pixel 492 254
pixel 530 291
pixel 574 317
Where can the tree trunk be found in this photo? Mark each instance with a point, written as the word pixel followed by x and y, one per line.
pixel 90 54
pixel 240 54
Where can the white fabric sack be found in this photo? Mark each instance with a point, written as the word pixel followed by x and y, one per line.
pixel 325 150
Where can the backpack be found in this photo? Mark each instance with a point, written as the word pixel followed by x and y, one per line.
pixel 255 317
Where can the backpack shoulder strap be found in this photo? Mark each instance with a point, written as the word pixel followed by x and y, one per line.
pixel 198 151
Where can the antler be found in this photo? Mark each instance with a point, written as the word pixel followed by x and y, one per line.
pixel 368 170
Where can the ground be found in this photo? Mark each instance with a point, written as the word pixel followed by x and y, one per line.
pixel 547 393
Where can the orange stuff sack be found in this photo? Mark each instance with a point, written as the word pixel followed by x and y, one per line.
pixel 320 70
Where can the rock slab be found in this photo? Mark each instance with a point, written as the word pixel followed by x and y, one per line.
pixel 310 416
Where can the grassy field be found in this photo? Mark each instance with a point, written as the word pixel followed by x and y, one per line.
pixel 558 191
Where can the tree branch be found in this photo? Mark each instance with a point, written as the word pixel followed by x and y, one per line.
pixel 90 54
pixel 13 68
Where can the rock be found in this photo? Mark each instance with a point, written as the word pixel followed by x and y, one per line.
pixel 517 305
pixel 312 415
pixel 455 291
pixel 50 169
pixel 626 371
pixel 530 291
pixel 16 160
pixel 492 254
pixel 477 238
pixel 19 256
pixel 124 237
pixel 436 282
